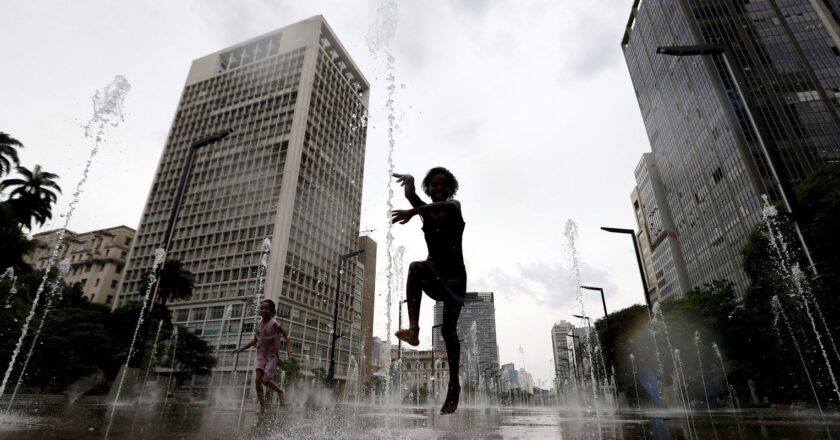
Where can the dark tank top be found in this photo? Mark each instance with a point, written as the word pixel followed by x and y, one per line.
pixel 443 238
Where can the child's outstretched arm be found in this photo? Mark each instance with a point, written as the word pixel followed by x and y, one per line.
pixel 407 182
pixel 250 344
pixel 404 215
pixel 288 341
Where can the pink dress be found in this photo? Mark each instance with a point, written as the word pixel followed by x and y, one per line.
pixel 268 346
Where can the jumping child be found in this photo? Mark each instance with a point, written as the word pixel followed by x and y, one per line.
pixel 442 275
pixel 267 339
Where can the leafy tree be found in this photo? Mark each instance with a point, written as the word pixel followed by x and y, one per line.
pixel 8 153
pixel 292 369
pixel 74 343
pixel 376 385
pixel 32 195
pixel 193 353
pixel 409 397
pixel 13 243
pixel 818 213
pixel 176 282
pixel 818 203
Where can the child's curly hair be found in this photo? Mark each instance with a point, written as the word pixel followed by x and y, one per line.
pixel 453 182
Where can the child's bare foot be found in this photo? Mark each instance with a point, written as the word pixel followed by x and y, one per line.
pixel 409 336
pixel 451 402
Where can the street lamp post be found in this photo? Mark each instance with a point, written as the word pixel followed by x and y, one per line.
pixel 569 363
pixel 574 348
pixel 726 56
pixel 179 195
pixel 588 322
pixel 137 359
pixel 336 335
pixel 603 301
pixel 632 234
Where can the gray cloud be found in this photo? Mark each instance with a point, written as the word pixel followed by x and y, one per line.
pixel 546 284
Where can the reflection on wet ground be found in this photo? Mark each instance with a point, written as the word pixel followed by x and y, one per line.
pixel 52 418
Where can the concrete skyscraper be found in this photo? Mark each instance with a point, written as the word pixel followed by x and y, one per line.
pixel 560 345
pixel 368 261
pixel 479 309
pixel 714 165
pixel 660 245
pixel 291 172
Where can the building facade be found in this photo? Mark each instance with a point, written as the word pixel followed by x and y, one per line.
pixel 667 267
pixel 290 172
pixel 560 348
pixel 97 259
pixel 713 165
pixel 482 350
pixel 379 354
pixel 368 261
pixel 645 245
pixel 509 377
pixel 428 369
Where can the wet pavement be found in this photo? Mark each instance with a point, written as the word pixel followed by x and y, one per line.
pixel 53 418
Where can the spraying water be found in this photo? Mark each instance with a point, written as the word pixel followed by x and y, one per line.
pixel 801 289
pixel 680 371
pixel 54 295
pixel 9 274
pixel 398 264
pixel 658 321
pixel 636 388
pixel 173 350
pixel 258 295
pixel 716 349
pixel 703 380
pixel 107 111
pixel 417 377
pixel 778 312
pixel 571 234
pixel 379 37
pixel 152 357
pixel 160 254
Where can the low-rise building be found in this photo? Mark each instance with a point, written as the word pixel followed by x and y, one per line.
pixel 424 368
pixel 97 258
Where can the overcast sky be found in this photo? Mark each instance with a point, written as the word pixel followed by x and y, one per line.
pixel 529 103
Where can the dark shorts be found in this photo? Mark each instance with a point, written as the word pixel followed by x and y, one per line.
pixel 443 286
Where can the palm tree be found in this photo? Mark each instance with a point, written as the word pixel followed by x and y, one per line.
pixel 176 283
pixel 8 153
pixel 32 195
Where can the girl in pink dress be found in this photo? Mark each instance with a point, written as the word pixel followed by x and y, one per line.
pixel 267 339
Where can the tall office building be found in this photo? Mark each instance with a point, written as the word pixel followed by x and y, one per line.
pixel 662 246
pixel 713 164
pixel 509 378
pixel 645 246
pixel 479 309
pixel 368 299
pixel 560 347
pixel 291 172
